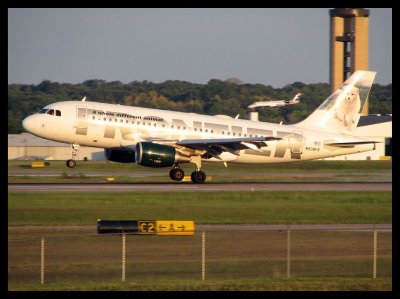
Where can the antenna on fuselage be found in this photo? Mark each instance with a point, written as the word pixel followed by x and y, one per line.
pixel 84 99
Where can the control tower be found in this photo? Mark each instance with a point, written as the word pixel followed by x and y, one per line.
pixel 348 45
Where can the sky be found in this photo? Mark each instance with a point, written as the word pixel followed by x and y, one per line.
pixel 271 46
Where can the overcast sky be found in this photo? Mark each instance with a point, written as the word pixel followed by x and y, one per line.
pixel 268 46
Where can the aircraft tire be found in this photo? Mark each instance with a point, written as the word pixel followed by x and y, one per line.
pixel 198 177
pixel 71 163
pixel 177 174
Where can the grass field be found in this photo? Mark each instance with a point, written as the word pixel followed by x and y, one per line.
pixel 235 260
pixel 204 208
pixel 260 284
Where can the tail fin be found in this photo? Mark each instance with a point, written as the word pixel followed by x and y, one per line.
pixel 340 112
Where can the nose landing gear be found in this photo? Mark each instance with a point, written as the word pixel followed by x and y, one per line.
pixel 71 163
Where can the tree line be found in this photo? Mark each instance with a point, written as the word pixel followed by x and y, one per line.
pixel 229 97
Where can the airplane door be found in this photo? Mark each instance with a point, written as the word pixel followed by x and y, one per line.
pixel 81 112
pixel 296 141
pixel 81 124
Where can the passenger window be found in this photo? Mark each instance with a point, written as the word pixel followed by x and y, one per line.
pixel 58 113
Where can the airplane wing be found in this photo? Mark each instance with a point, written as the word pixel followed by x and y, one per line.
pixel 215 147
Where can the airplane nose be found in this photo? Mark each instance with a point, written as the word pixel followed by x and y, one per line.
pixel 28 124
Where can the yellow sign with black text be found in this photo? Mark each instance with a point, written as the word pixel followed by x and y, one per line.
pixel 174 227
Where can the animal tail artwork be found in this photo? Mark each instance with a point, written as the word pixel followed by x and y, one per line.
pixel 340 112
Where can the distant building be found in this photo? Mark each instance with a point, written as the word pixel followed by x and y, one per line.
pixel 26 146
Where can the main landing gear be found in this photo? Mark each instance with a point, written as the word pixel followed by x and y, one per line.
pixel 197 176
pixel 71 163
pixel 176 173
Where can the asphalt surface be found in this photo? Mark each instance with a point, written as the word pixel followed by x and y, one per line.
pixel 208 186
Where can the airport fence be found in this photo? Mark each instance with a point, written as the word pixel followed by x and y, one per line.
pixel 206 255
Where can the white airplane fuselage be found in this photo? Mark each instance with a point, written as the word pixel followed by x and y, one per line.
pixel 114 126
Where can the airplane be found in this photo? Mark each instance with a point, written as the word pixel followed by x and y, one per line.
pixel 161 138
pixel 276 104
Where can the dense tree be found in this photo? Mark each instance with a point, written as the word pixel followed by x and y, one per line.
pixel 229 97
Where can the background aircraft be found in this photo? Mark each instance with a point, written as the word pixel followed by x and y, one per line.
pixel 161 138
pixel 277 104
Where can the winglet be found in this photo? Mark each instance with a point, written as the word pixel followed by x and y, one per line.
pixel 84 99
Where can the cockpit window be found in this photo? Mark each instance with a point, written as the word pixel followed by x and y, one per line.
pixel 58 113
pixel 43 111
pixel 51 112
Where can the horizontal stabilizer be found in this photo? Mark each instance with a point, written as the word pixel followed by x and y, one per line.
pixel 349 143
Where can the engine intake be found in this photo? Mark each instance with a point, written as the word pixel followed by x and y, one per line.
pixel 157 155
pixel 120 155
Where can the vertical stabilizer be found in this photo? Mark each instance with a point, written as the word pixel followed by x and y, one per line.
pixel 340 112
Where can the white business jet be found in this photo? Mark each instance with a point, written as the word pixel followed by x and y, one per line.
pixel 161 138
pixel 276 104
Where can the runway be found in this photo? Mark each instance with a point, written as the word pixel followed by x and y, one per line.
pixel 210 186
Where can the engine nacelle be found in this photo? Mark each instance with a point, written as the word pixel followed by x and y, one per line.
pixel 120 155
pixel 157 155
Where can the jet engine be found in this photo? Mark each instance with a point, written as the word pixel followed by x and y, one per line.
pixel 157 155
pixel 121 155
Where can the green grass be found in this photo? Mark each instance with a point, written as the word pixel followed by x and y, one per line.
pixel 204 208
pixel 260 284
